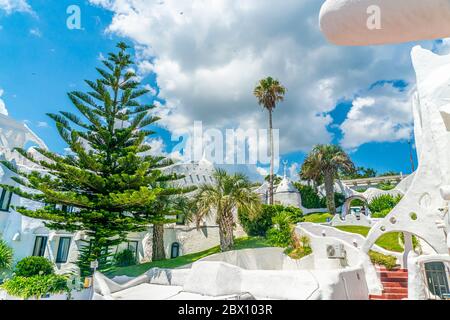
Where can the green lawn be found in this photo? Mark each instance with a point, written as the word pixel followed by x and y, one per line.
pixel 389 241
pixel 318 217
pixel 137 270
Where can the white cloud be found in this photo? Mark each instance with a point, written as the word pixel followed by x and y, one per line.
pixel 262 171
pixel 42 124
pixel 293 170
pixel 10 6
pixel 3 109
pixel 383 115
pixel 209 58
pixel 36 32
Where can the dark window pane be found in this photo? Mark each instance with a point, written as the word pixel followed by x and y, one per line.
pixel 133 246
pixel 39 246
pixel 5 199
pixel 175 250
pixel 63 250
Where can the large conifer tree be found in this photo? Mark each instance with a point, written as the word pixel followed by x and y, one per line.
pixel 108 178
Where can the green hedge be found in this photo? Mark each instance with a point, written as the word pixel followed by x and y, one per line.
pixel 384 202
pixel 312 200
pixel 259 225
pixel 33 266
pixel 390 262
pixel 36 286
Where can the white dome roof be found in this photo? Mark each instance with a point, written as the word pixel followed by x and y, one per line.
pixel 286 186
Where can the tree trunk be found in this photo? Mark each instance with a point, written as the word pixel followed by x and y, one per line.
pixel 158 252
pixel 271 159
pixel 329 189
pixel 226 231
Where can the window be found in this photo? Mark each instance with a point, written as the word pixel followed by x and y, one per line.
pixel 192 180
pixel 204 178
pixel 437 279
pixel 133 246
pixel 5 199
pixel 63 250
pixel 67 209
pixel 175 250
pixel 198 178
pixel 39 246
pixel 180 219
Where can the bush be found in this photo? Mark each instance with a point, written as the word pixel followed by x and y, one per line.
pixel 6 256
pixel 381 214
pixel 301 248
pixel 377 258
pixel 310 198
pixel 386 186
pixel 384 202
pixel 36 286
pixel 280 235
pixel 259 225
pixel 125 258
pixel 33 266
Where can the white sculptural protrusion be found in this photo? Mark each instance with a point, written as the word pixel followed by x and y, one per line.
pixel 372 22
pixel 422 211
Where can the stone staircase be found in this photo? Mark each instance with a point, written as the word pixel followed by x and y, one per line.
pixel 395 284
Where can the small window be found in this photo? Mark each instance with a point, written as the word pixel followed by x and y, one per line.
pixel 180 219
pixel 63 250
pixel 133 247
pixel 39 246
pixel 204 178
pixel 175 250
pixel 5 199
pixel 198 178
pixel 192 180
pixel 67 209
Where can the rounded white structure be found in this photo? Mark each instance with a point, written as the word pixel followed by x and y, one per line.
pixel 373 22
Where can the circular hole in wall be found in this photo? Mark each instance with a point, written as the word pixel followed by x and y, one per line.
pixel 383 228
pixel 413 216
pixel 393 220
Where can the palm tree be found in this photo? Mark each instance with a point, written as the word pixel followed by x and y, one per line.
pixel 228 194
pixel 327 161
pixel 269 92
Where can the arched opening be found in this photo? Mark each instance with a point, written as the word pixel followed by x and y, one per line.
pixel 175 250
pixel 355 205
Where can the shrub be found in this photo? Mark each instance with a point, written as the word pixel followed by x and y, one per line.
pixel 33 266
pixel 386 186
pixel 301 248
pixel 280 235
pixel 36 286
pixel 390 262
pixel 6 255
pixel 381 214
pixel 384 202
pixel 310 198
pixel 125 258
pixel 259 225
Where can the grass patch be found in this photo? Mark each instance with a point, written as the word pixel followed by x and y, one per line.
pixel 137 270
pixel 318 217
pixel 388 241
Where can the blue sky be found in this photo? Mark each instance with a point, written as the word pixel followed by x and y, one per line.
pixel 41 60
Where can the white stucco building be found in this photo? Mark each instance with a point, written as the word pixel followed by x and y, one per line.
pixel 29 236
